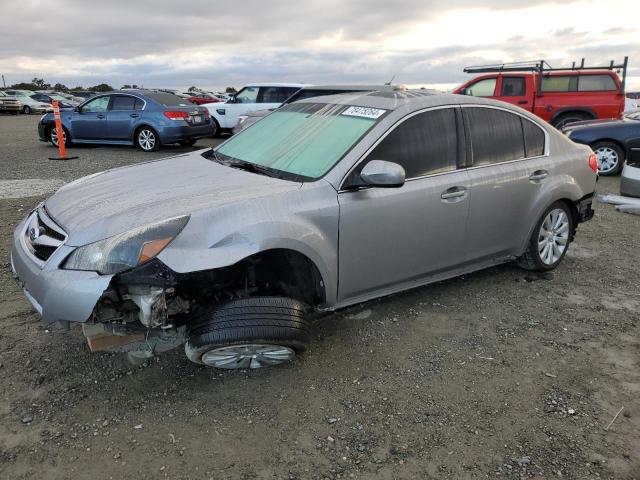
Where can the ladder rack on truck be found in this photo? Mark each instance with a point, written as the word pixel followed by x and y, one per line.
pixel 542 66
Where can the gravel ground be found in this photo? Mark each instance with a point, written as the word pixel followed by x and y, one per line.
pixel 498 374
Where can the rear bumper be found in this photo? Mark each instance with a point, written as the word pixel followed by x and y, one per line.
pixel 56 294
pixel 630 181
pixel 174 134
pixel 585 208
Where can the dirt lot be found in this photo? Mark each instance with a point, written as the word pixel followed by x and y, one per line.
pixel 497 374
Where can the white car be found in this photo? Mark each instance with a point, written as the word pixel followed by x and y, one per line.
pixel 30 105
pixel 256 96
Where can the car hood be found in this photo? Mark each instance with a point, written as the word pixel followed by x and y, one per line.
pixel 112 202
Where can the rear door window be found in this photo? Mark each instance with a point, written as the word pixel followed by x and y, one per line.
pixel 275 94
pixel 424 144
pixel 496 135
pixel 596 83
pixel 169 100
pixel 513 87
pixel 123 102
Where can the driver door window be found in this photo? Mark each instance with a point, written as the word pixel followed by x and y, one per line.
pixel 247 95
pixel 482 88
pixel 99 104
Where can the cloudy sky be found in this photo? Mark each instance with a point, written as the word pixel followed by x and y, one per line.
pixel 158 43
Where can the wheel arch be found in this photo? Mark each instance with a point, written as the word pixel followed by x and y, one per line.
pixel 568 110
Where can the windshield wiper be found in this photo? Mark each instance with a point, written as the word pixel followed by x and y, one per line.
pixel 249 167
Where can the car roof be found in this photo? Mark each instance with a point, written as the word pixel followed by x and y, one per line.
pixel 408 99
pixel 355 86
pixel 297 85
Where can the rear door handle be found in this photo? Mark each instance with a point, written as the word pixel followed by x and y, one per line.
pixel 523 102
pixel 454 193
pixel 100 115
pixel 538 175
pixel 134 115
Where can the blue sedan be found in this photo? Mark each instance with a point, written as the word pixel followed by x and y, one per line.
pixel 144 118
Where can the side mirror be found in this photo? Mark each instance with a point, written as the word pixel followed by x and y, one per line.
pixel 382 174
pixel 76 109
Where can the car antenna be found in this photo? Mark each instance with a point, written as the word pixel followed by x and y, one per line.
pixel 393 77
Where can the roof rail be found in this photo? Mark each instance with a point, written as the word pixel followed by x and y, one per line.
pixel 542 66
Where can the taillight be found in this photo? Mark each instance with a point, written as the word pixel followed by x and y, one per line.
pixel 593 162
pixel 176 115
pixel 206 113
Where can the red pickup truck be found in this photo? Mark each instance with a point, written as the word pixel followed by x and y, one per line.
pixel 559 96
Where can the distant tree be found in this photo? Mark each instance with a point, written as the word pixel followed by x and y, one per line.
pixel 193 88
pixel 126 85
pixel 77 89
pixel 103 87
pixel 59 87
pixel 24 86
pixel 40 84
pixel 230 90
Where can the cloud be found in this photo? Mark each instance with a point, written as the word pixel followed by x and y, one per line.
pixel 166 43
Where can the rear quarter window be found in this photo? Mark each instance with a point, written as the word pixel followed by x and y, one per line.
pixel 533 138
pixel 596 83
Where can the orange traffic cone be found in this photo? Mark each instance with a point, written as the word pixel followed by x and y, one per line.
pixel 61 136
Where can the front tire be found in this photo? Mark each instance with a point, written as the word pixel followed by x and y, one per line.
pixel 249 333
pixel 26 110
pixel 147 139
pixel 53 136
pixel 216 128
pixel 610 158
pixel 550 239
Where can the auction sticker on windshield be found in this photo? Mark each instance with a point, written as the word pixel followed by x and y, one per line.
pixel 364 112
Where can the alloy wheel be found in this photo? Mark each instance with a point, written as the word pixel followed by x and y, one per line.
pixel 54 136
pixel 247 356
pixel 607 159
pixel 146 139
pixel 553 236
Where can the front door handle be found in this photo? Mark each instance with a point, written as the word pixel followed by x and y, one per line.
pixel 538 176
pixel 100 115
pixel 134 115
pixel 454 193
pixel 523 102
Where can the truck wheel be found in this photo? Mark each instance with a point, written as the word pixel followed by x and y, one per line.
pixel 550 239
pixel 566 118
pixel 249 333
pixel 610 158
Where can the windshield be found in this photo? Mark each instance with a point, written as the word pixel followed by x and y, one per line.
pixel 302 141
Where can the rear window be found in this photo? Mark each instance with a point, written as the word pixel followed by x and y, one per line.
pixel 596 83
pixel 170 100
pixel 310 93
pixel 560 83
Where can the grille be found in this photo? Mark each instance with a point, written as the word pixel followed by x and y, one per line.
pixel 42 237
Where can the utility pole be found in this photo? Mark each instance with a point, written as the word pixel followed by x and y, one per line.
pixel 4 85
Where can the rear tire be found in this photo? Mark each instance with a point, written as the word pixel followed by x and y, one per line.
pixel 567 118
pixel 147 139
pixel 610 158
pixel 249 333
pixel 550 239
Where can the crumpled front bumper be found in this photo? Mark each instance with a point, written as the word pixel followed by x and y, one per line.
pixel 56 294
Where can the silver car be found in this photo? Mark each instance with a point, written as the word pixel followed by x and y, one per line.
pixel 325 203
